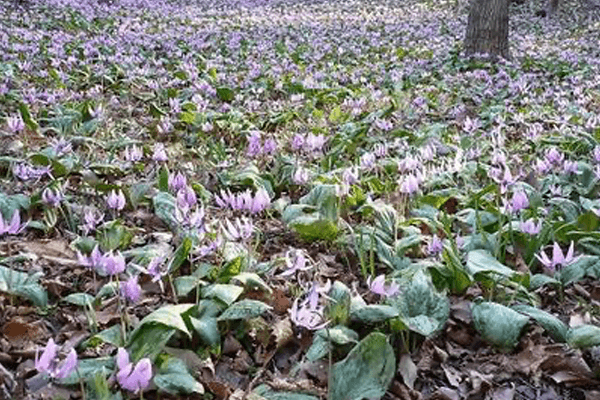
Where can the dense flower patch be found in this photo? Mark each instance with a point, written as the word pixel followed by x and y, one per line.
pixel 186 185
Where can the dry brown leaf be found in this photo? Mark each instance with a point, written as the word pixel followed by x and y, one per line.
pixel 445 394
pixel 283 332
pixel 408 371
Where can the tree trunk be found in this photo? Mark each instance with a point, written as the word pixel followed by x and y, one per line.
pixel 487 29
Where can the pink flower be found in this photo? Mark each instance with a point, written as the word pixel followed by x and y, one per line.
pixel 113 264
pixel 13 227
pixel 558 258
pixel 530 227
pixel 131 290
pixel 116 201
pixel 295 261
pixel 49 364
pixel 378 287
pixel 133 378
pixel 159 154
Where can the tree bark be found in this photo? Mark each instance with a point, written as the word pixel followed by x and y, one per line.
pixel 487 29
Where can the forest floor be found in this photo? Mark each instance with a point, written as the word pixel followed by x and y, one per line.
pixel 295 199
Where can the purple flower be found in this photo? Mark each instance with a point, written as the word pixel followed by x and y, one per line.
pixel 570 167
pixel 260 202
pixel 554 157
pixel 301 176
pixel 113 264
pixel 295 261
pixel 131 290
pixel 306 316
pixel 254 145
pixel 115 201
pixel 177 182
pixel 133 154
pixel 61 146
pixel 519 201
pixel 597 154
pixel 91 219
pixel 49 364
pixel 240 230
pixel 367 160
pixel 159 153
pixel 558 258
pixel 436 246
pixel 13 227
pixel 270 146
pixel 133 378
pixel 15 124
pixel 186 198
pixel 153 268
pixel 410 185
pixel 530 227
pixel 377 286
pixel 297 142
pixel 52 197
pixel 380 150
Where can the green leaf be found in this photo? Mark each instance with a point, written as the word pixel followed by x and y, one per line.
pixel 163 179
pixel 110 335
pixel 169 316
pixel 224 292
pixel 252 280
pixel 313 227
pixel 114 235
pixel 265 392
pixel 207 329
pixel 173 377
pixel 555 327
pixel 27 118
pixel 366 372
pixel 498 325
pixel 148 340
pixel 374 313
pixel 539 280
pixel 180 255
pixel 338 334
pixel 584 336
pixel 421 308
pixel 80 299
pixel 185 284
pixel 164 207
pixel 12 203
pixel 88 368
pixel 577 270
pixel 22 284
pixel 482 262
pixel 226 94
pixel 244 309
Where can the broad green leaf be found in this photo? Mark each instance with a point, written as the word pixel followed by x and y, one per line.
pixel 185 284
pixel 338 334
pixel 226 94
pixel 584 336
pixel 164 207
pixel 577 270
pixel 114 235
pixel 366 372
pixel 482 262
pixel 498 325
pixel 244 309
pixel 110 335
pixel 319 348
pixel 539 280
pixel 80 299
pixel 207 329
pixel 169 316
pixel 374 313
pixel 148 340
pixel 312 227
pixel 555 327
pixel 180 255
pixel 11 203
pixel 338 308
pixel 22 284
pixel 252 280
pixel 173 377
pixel 87 369
pixel 224 292
pixel 421 308
pixel 163 180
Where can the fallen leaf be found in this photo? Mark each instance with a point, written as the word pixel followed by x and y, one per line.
pixel 408 371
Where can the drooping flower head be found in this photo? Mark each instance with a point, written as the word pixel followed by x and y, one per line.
pixel 116 201
pixel 559 260
pixel 48 362
pixel 130 377
pixel 378 286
